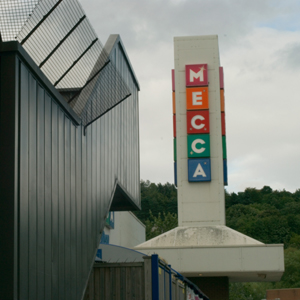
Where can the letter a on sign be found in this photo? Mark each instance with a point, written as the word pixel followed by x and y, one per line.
pixel 199 170
pixel 196 75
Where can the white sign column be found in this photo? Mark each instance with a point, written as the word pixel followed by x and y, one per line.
pixel 199 203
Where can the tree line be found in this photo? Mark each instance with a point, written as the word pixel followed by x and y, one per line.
pixel 270 216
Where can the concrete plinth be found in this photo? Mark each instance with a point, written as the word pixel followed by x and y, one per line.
pixel 217 251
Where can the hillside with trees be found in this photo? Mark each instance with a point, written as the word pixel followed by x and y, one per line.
pixel 270 216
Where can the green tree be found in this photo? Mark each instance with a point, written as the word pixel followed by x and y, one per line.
pixel 294 241
pixel 291 276
pixel 160 224
pixel 158 198
pixel 249 290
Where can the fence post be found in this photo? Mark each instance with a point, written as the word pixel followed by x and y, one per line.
pixel 155 279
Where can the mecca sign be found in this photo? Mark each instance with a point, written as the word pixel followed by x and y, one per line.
pixel 198 123
pixel 197 117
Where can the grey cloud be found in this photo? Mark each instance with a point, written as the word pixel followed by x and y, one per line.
pixel 289 56
pixel 148 22
pixel 261 96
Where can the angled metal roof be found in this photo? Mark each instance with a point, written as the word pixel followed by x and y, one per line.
pixel 61 41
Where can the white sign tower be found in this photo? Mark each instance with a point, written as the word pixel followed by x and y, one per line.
pixel 201 202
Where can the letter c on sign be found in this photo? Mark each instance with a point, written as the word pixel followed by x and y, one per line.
pixel 195 142
pixel 193 121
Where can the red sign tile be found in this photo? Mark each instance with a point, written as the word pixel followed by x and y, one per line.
pixel 221 77
pixel 174 126
pixel 196 75
pixel 197 121
pixel 173 80
pixel 223 123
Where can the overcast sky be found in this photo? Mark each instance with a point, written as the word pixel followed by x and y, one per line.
pixel 259 43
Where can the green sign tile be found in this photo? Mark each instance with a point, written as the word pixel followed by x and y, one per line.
pixel 224 147
pixel 198 145
pixel 174 148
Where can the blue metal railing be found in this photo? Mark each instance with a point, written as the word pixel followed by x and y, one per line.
pixel 156 265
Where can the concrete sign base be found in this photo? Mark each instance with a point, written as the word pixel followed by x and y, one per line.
pixel 214 251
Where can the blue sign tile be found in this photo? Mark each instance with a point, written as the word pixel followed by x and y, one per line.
pixel 175 173
pixel 199 170
pixel 225 172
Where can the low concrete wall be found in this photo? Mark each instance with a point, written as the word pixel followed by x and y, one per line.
pixel 283 294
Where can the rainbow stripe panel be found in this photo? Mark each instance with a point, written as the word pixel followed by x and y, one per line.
pixel 174 126
pixel 198 126
pixel 222 98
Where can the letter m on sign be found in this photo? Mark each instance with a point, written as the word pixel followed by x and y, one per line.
pixel 196 75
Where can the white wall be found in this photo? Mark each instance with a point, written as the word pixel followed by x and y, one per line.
pixel 129 231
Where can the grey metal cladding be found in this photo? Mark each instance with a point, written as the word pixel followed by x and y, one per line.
pixel 65 182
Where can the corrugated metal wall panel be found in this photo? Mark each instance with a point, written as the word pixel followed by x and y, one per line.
pixel 48 197
pixel 40 171
pixel 66 180
pixel 130 132
pixel 24 190
pixel 54 203
pixel 32 191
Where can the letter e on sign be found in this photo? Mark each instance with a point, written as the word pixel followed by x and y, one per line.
pixel 196 75
pixel 197 98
